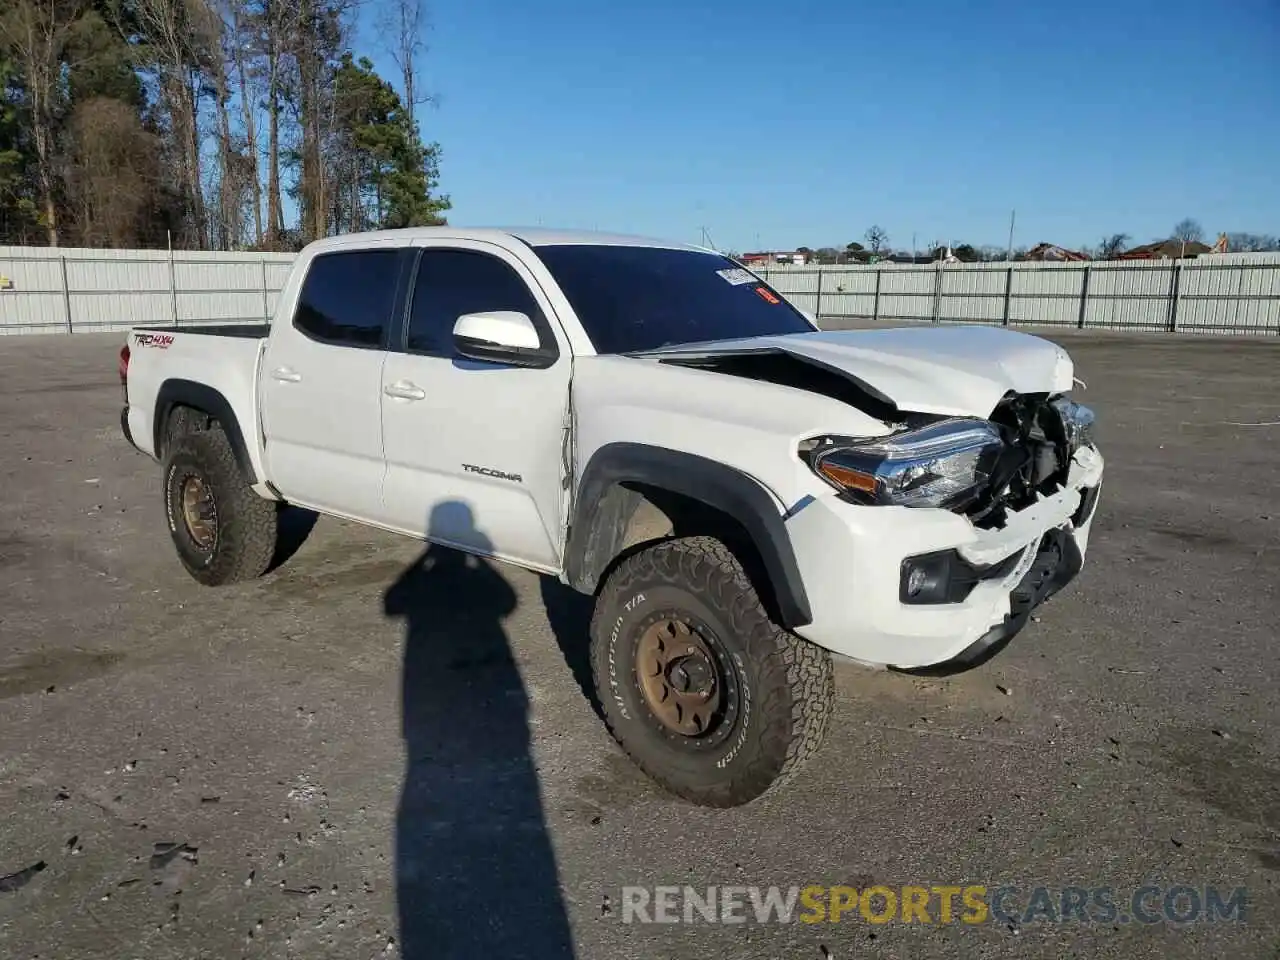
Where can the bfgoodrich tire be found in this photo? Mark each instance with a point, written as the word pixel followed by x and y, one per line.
pixel 223 531
pixel 701 689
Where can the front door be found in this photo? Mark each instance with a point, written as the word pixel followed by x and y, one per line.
pixel 474 449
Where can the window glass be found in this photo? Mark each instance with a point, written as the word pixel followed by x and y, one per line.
pixel 451 283
pixel 347 297
pixel 642 298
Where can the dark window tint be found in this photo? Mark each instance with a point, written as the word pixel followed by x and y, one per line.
pixel 347 298
pixel 642 298
pixel 451 283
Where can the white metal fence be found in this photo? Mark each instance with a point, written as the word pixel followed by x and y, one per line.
pixel 1224 294
pixel 45 290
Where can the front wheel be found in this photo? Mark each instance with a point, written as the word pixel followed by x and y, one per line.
pixel 224 532
pixel 702 690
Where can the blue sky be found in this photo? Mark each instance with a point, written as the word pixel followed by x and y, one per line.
pixel 781 124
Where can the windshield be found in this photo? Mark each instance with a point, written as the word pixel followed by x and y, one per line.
pixel 640 298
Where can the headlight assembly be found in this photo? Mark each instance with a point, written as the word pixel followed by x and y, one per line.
pixel 1077 423
pixel 945 464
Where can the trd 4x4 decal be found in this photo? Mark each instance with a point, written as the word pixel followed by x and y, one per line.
pixel 160 340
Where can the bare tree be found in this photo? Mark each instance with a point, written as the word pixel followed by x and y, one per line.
pixel 228 229
pixel 1252 243
pixel 877 238
pixel 37 35
pixel 402 25
pixel 180 40
pixel 1112 246
pixel 235 40
pixel 1188 231
pixel 271 26
pixel 308 57
pixel 321 33
pixel 111 184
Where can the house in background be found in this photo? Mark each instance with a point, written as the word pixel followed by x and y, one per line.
pixel 771 258
pixel 1167 250
pixel 1052 253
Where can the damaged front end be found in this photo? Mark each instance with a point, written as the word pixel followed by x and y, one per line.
pixel 982 469
pixel 1041 436
pixel 980 419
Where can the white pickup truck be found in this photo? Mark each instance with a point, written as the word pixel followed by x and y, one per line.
pixel 653 424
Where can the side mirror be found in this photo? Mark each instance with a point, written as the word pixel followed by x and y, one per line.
pixel 501 336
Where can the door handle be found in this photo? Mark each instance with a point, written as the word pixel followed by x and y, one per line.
pixel 286 374
pixel 404 390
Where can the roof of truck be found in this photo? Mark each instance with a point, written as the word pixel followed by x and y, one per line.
pixel 534 236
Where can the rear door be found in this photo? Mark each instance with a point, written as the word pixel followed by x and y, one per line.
pixel 474 450
pixel 321 383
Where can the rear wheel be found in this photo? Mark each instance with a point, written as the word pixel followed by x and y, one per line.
pixel 703 691
pixel 223 531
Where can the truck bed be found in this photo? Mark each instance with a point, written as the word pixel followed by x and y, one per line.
pixel 220 360
pixel 251 331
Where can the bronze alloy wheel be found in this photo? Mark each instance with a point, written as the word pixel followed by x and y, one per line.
pixel 684 679
pixel 199 513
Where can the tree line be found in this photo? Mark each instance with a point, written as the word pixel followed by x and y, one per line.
pixel 1111 246
pixel 141 123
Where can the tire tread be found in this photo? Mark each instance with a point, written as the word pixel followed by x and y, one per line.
pixel 791 669
pixel 247 523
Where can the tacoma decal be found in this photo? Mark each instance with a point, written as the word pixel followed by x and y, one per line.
pixel 490 472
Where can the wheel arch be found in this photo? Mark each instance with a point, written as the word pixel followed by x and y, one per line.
pixel 627 489
pixel 176 393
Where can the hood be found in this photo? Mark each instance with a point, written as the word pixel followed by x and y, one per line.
pixel 952 371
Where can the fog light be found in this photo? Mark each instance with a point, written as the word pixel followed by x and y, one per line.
pixel 927 579
pixel 916 581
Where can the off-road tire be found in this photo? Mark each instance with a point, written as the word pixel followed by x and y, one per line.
pixel 784 685
pixel 244 523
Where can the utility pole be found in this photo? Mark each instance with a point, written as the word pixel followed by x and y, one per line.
pixel 1009 252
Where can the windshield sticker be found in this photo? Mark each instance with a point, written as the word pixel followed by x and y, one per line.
pixel 766 295
pixel 736 276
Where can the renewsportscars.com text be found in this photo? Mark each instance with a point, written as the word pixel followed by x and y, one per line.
pixel 940 904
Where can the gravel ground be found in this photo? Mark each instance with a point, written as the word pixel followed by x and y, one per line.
pixel 370 752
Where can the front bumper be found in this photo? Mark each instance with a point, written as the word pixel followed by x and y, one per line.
pixel 851 559
pixel 1057 561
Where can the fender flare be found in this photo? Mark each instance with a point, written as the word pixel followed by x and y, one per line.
pixel 189 393
pixel 603 508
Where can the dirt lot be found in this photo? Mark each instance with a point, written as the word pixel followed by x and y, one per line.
pixel 361 755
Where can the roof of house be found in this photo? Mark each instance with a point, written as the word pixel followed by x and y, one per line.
pixel 1051 251
pixel 1166 249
